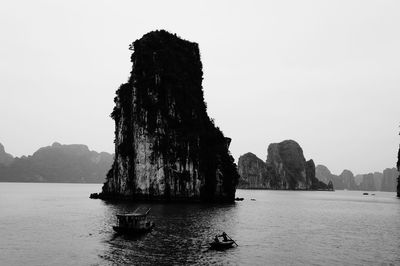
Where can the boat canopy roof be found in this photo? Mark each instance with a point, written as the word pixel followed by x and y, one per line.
pixel 135 213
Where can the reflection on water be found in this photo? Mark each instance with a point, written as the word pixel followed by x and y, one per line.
pixel 57 224
pixel 181 235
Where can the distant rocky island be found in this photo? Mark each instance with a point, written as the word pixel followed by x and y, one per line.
pixel 376 181
pixel 5 158
pixel 166 146
pixel 285 168
pixel 56 164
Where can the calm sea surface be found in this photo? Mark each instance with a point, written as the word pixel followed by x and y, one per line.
pixel 57 224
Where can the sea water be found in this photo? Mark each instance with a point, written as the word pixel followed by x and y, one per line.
pixel 57 224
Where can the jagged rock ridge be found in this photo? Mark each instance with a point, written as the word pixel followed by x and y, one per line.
pixel 73 163
pixel 166 146
pixel 376 181
pixel 5 158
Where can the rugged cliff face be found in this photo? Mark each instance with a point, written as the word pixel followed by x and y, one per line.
pixel 287 162
pixel 368 183
pixel 323 173
pixel 358 178
pixel 166 146
pixel 5 158
pixel 347 178
pixel 253 172
pixel 378 179
pixel 389 179
pixel 315 182
pixel 285 168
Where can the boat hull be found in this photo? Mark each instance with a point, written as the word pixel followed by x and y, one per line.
pixel 221 245
pixel 133 231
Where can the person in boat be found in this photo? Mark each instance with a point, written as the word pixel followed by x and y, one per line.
pixel 224 236
pixel 216 240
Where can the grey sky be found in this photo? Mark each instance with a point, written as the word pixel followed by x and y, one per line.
pixel 324 73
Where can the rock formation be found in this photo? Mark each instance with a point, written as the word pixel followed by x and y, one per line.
pixel 389 179
pixel 285 168
pixel 323 173
pixel 5 158
pixel 311 175
pixel 253 172
pixel 166 146
pixel 378 178
pixel 347 179
pixel 398 169
pixel 59 163
pixel 368 183
pixel 358 178
pixel 288 165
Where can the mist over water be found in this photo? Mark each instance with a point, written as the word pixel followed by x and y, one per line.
pixel 57 224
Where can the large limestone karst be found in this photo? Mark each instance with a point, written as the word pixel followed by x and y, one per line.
pixel 285 168
pixel 323 173
pixel 289 167
pixel 253 172
pixel 347 178
pixel 378 179
pixel 389 179
pixel 358 179
pixel 368 183
pixel 166 146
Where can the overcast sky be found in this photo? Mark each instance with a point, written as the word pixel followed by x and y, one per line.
pixel 324 73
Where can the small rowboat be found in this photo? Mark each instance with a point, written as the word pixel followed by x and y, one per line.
pixel 225 243
pixel 221 245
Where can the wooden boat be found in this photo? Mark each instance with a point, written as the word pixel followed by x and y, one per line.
pixel 133 223
pixel 225 242
pixel 220 245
